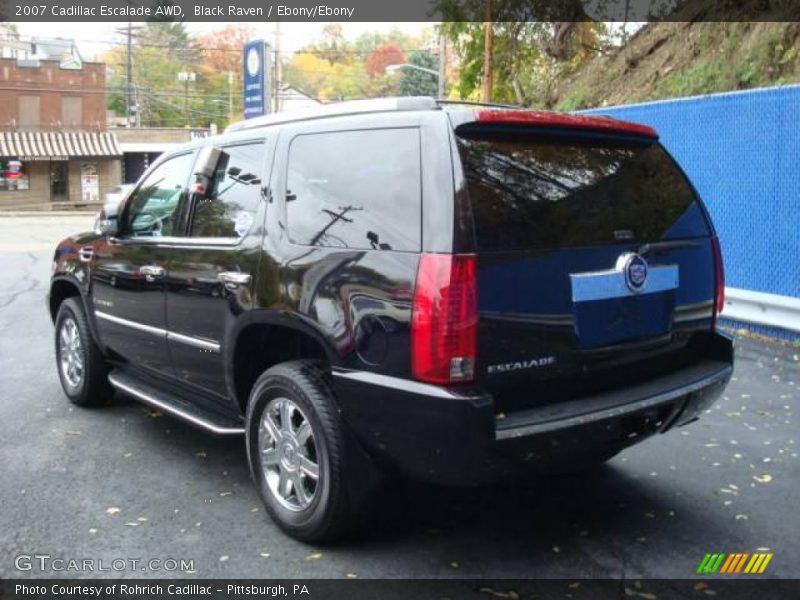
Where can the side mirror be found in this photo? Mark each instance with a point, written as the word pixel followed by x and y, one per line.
pixel 205 166
pixel 107 221
pixel 206 162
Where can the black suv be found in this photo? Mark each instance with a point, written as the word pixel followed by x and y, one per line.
pixel 452 293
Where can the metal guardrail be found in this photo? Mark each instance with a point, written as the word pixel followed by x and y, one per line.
pixel 762 309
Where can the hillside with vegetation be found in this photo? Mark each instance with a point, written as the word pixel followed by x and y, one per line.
pixel 669 60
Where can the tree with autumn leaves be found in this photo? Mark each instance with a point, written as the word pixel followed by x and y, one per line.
pixel 333 68
pixel 160 51
pixel 529 57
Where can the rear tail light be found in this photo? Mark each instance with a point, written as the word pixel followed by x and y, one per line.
pixel 719 278
pixel 444 320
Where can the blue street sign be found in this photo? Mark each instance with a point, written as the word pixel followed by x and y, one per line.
pixel 256 79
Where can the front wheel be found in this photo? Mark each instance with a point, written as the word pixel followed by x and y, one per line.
pixel 81 368
pixel 300 456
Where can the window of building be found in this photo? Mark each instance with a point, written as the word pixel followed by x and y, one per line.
pixel 29 112
pixel 355 189
pixel 71 111
pixel 228 208
pixel 13 176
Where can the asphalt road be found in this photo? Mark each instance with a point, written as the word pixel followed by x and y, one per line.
pixel 124 482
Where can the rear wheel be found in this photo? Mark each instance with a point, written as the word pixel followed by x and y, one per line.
pixel 81 367
pixel 300 457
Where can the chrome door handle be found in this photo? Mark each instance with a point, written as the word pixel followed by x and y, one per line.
pixel 233 279
pixel 152 272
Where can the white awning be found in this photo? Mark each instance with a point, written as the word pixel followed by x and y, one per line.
pixel 48 145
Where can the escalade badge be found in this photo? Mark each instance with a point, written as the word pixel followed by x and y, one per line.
pixel 634 267
pixel 522 364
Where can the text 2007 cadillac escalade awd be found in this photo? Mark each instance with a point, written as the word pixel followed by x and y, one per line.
pixel 449 292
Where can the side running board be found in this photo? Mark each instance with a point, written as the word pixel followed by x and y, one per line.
pixel 173 405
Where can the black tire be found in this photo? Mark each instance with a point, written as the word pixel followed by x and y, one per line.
pixel 342 472
pixel 92 388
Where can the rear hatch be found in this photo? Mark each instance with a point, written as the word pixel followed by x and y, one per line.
pixel 594 256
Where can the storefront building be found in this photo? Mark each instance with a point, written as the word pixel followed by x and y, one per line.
pixel 52 167
pixel 55 149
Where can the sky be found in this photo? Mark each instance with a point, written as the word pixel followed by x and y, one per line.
pixel 93 39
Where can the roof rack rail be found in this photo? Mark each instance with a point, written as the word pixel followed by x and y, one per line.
pixel 351 107
pixel 486 104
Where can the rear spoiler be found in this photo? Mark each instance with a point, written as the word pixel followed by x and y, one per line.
pixel 562 121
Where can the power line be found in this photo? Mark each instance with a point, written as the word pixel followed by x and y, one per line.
pixel 192 110
pixel 113 90
pixel 194 46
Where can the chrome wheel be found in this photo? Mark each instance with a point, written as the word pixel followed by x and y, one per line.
pixel 288 454
pixel 70 353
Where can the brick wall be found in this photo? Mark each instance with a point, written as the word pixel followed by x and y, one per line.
pixel 50 82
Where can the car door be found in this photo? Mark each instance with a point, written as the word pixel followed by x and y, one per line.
pixel 128 271
pixel 212 270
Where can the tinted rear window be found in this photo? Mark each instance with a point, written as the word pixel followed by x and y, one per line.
pixel 552 193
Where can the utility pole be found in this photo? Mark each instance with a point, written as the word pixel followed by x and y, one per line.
pixel 442 64
pixel 129 79
pixel 278 73
pixel 230 97
pixel 129 32
pixel 488 62
pixel 186 77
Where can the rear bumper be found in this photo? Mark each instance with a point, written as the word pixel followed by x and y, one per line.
pixel 451 435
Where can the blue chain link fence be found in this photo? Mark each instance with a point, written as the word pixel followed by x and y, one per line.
pixel 742 151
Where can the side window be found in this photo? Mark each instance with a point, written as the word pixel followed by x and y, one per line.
pixel 355 189
pixel 231 201
pixel 151 207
